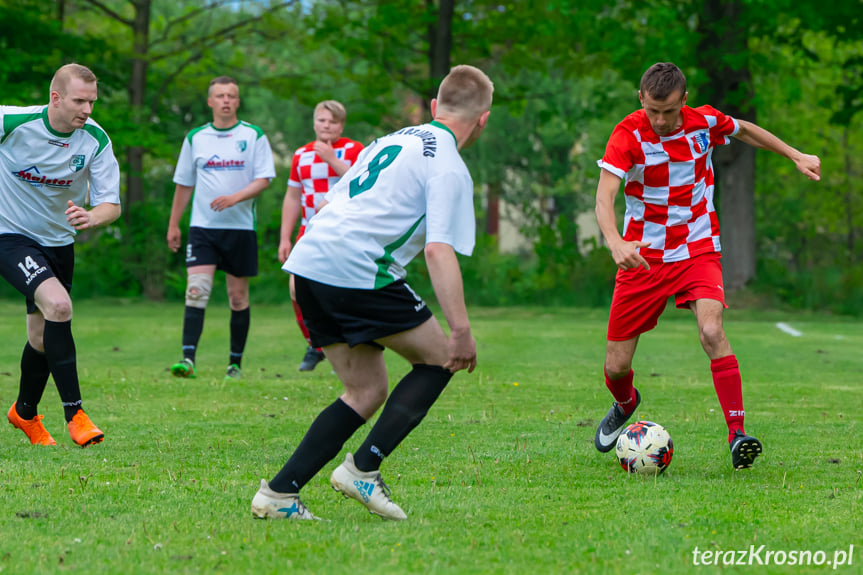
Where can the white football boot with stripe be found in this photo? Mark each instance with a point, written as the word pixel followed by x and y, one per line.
pixel 269 504
pixel 367 487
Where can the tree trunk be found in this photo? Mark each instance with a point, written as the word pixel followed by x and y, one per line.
pixel 137 88
pixel 729 89
pixel 440 45
pixel 492 221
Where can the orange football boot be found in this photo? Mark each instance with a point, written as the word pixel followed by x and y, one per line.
pixel 32 428
pixel 82 430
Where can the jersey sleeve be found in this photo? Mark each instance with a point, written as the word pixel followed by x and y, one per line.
pixel 264 166
pixel 618 158
pixel 449 212
pixel 105 177
pixel 352 153
pixel 185 173
pixel 721 127
pixel 294 178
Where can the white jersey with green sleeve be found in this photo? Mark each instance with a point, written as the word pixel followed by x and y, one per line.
pixel 219 163
pixel 407 189
pixel 41 169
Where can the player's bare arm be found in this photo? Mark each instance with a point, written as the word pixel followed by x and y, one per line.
pixel 328 154
pixel 182 195
pixel 749 133
pixel 290 213
pixel 252 190
pixel 625 254
pixel 83 219
pixel 446 280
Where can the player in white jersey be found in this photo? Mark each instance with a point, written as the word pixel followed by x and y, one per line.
pixel 51 157
pixel 670 245
pixel 227 163
pixel 315 168
pixel 409 192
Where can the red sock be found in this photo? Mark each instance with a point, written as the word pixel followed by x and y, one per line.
pixel 729 390
pixel 301 323
pixel 623 391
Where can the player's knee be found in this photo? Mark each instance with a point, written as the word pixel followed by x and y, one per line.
pixel 238 301
pixel 58 310
pixel 617 366
pixel 198 290
pixel 711 335
pixel 617 371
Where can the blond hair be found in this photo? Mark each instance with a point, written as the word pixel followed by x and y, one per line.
pixel 335 108
pixel 61 78
pixel 466 92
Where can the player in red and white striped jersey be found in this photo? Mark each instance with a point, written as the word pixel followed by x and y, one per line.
pixel 670 244
pixel 316 167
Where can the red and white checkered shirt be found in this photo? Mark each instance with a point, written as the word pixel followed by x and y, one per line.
pixel 669 182
pixel 316 177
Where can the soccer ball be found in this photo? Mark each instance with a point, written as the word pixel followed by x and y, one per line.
pixel 644 447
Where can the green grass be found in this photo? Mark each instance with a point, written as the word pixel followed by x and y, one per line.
pixel 501 477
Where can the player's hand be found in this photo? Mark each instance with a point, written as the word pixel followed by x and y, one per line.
pixel 284 251
pixel 223 203
pixel 462 352
pixel 809 166
pixel 626 255
pixel 325 151
pixel 78 217
pixel 174 238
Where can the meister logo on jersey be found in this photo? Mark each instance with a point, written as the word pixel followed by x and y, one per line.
pixel 217 163
pixel 34 177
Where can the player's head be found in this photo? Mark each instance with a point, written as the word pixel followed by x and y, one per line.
pixel 329 120
pixel 663 94
pixel 465 96
pixel 223 97
pixel 73 93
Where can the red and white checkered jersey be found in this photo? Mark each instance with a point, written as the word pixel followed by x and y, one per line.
pixel 315 176
pixel 669 182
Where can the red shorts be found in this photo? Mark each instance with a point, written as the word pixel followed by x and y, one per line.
pixel 640 295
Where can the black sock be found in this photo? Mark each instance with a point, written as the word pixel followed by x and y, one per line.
pixel 407 405
pixel 239 332
pixel 323 441
pixel 34 378
pixel 193 326
pixel 62 361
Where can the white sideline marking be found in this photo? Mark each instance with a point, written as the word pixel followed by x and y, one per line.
pixel 782 326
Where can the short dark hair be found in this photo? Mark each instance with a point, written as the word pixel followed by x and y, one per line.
pixel 221 80
pixel 661 80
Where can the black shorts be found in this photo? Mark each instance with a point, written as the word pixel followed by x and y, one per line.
pixel 233 251
pixel 25 264
pixel 355 316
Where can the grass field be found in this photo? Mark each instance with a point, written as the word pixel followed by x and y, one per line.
pixel 501 477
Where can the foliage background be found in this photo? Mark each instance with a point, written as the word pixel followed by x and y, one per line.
pixel 565 74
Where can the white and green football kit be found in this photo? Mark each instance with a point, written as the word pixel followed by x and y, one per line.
pixel 41 169
pixel 221 162
pixel 407 189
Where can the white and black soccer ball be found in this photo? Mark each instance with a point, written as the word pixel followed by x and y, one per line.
pixel 644 447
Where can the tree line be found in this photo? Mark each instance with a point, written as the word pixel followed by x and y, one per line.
pixel 565 72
